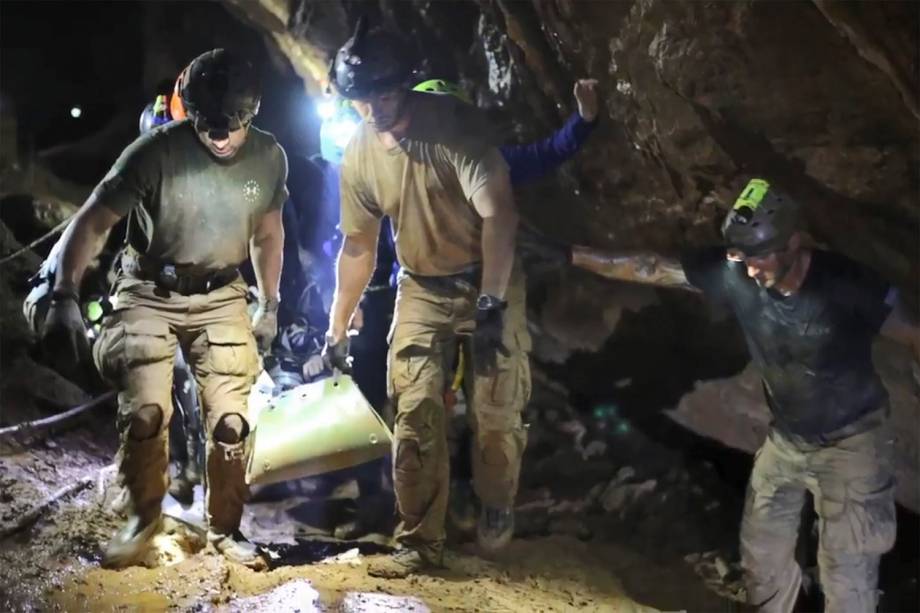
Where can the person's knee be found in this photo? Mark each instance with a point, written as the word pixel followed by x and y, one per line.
pixel 146 422
pixel 231 429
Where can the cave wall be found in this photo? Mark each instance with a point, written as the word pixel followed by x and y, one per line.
pixel 698 96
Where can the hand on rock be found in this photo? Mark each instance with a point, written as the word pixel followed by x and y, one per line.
pixel 586 96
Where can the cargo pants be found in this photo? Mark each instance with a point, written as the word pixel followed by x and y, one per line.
pixel 432 318
pixel 852 483
pixel 135 354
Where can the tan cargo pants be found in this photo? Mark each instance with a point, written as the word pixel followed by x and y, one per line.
pixel 853 487
pixel 429 323
pixel 135 354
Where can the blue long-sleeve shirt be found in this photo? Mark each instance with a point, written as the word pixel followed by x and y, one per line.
pixel 534 161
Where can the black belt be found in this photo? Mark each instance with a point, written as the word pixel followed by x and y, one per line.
pixel 465 281
pixel 173 278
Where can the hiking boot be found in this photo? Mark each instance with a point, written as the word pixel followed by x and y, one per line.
pixel 404 562
pixel 237 548
pixel 495 529
pixel 130 545
pixel 461 508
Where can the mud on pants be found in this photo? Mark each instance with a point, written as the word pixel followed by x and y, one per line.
pixel 853 487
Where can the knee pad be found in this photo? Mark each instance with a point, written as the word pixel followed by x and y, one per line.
pixel 146 422
pixel 231 429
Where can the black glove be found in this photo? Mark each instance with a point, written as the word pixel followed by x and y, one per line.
pixel 64 341
pixel 335 355
pixel 487 340
pixel 541 251
pixel 265 324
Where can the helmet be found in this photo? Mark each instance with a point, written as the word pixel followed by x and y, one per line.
pixel 440 86
pixel 220 92
pixel 176 108
pixel 762 220
pixel 336 130
pixel 155 114
pixel 370 61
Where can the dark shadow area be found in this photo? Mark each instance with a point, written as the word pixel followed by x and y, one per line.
pixel 307 551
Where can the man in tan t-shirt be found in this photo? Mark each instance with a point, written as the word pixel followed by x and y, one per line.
pixel 427 163
pixel 198 193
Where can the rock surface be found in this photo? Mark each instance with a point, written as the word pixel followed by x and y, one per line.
pixel 698 96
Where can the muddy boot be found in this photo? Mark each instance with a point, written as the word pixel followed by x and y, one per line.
pixel 237 548
pixel 142 472
pixel 495 529
pixel 462 506
pixel 130 545
pixel 404 562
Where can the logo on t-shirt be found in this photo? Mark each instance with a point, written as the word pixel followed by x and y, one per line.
pixel 251 190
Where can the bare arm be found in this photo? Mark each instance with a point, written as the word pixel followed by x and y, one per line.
pixel 637 267
pixel 901 327
pixel 82 241
pixel 495 204
pixel 267 248
pixel 352 272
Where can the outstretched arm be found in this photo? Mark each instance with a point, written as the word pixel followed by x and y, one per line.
pixel 637 267
pixel 535 160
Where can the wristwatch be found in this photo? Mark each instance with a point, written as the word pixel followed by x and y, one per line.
pixel 486 302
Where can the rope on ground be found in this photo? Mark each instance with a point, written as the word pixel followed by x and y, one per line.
pixel 34 513
pixel 40 424
pixel 55 230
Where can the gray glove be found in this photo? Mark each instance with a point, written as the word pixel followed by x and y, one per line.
pixel 64 341
pixel 336 356
pixel 265 324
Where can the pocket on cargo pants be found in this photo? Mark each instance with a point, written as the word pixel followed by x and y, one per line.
pixel 126 345
pixel 232 351
pixel 859 517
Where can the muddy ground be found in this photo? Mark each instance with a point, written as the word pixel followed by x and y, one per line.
pixel 607 520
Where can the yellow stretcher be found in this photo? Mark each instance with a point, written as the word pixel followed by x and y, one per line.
pixel 313 429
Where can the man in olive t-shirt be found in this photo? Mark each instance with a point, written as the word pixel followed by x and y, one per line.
pixel 427 163
pixel 199 194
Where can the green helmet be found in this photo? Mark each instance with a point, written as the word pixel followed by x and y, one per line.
pixel 440 86
pixel 762 220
